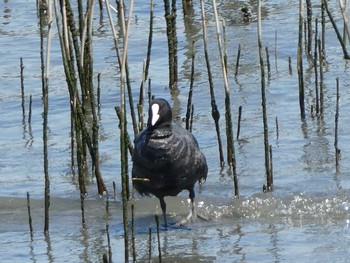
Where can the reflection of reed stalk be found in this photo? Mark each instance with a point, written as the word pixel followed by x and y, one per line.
pixel 268 171
pixel 214 109
pixel 29 215
pixel 158 239
pixel 150 243
pixel 107 231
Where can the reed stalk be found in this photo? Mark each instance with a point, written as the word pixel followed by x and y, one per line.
pixel 343 8
pixel 30 110
pixel 150 38
pixel 22 89
pixel 190 93
pixel 141 102
pixel 133 243
pixel 123 130
pixel 45 67
pixel 268 63
pixel 277 128
pixel 337 150
pixel 309 27
pixel 342 43
pixel 170 18
pixel 300 60
pixel 229 132
pixel 320 57
pixel 323 25
pixel 239 122
pixel 263 103
pixel 119 58
pixel 76 45
pixel 316 68
pixel 238 58
pixel 214 109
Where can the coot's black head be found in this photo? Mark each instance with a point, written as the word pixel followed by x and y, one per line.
pixel 159 114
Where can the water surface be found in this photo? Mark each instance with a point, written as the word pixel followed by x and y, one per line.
pixel 306 217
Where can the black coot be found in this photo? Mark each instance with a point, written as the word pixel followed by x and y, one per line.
pixel 166 158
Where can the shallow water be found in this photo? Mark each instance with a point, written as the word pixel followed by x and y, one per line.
pixel 305 219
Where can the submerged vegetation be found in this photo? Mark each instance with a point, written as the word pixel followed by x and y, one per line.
pixel 74 27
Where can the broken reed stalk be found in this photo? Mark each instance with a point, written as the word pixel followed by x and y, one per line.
pixel 239 122
pixel 237 61
pixel 337 150
pixel 277 128
pixel 300 60
pixel 214 109
pixel 268 187
pixel 158 239
pixel 29 216
pixel 316 69
pixel 170 18
pixel 345 52
pixel 189 102
pixel 22 89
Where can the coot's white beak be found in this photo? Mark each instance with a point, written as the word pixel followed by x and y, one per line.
pixel 155 114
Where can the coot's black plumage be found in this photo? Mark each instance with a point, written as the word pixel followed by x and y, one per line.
pixel 166 158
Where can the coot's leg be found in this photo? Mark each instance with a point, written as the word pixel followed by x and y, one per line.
pixel 193 205
pixel 193 213
pixel 163 206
